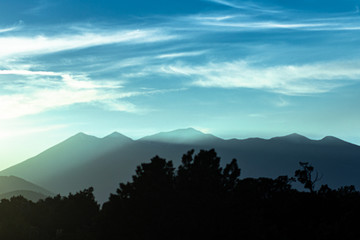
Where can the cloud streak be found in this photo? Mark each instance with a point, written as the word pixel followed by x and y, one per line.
pixel 248 22
pixel 247 16
pixel 284 79
pixel 4 30
pixel 245 6
pixel 180 54
pixel 258 25
pixel 41 44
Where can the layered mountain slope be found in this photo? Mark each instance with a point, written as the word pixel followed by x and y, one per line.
pixel 14 186
pixel 83 161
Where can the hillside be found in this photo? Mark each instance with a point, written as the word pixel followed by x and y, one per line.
pixel 14 186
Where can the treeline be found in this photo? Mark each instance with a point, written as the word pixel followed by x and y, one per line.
pixel 199 199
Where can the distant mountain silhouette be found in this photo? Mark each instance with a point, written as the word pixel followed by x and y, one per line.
pixel 83 161
pixel 295 138
pixel 14 186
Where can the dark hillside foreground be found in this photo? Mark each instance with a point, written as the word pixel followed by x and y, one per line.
pixel 198 199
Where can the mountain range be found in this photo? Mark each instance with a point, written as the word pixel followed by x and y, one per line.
pixel 82 160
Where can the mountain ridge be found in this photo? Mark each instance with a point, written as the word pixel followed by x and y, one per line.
pixel 82 160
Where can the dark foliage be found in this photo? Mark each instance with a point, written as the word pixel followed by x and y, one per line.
pixel 305 176
pixel 72 217
pixel 200 199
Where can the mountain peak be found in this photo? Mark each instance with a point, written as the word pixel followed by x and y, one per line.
pixel 82 134
pixel 184 135
pixel 294 137
pixel 189 130
pixel 116 135
pixel 332 140
pixel 81 137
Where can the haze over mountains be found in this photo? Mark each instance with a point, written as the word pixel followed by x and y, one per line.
pixel 82 161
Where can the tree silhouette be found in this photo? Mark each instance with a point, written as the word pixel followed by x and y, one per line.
pixel 203 199
pixel 305 176
pixel 152 180
pixel 142 203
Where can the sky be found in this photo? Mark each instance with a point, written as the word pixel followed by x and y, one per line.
pixel 237 69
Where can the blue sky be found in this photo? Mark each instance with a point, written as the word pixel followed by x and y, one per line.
pixel 233 68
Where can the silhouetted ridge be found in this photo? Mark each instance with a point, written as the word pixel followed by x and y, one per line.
pixel 294 138
pixel 333 141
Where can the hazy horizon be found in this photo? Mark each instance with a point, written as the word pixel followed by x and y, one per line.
pixel 236 69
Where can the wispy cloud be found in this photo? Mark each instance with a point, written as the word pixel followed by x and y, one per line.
pixel 41 44
pixel 247 16
pixel 258 25
pixel 58 90
pixel 285 79
pixel 180 54
pixel 40 91
pixel 3 30
pixel 229 4
pixel 281 102
pixel 12 28
pixel 26 91
pixel 244 6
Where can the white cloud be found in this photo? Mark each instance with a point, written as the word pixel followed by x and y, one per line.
pixel 251 17
pixel 28 73
pixel 214 17
pixel 41 95
pixel 226 3
pixel 244 6
pixel 180 54
pixel 3 30
pixel 256 25
pixel 15 27
pixel 40 44
pixel 285 79
pixel 121 106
